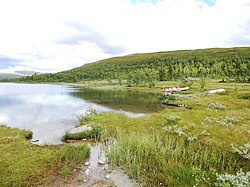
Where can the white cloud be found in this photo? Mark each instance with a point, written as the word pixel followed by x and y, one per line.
pixel 57 35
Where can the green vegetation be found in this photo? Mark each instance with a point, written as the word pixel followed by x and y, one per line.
pixel 146 69
pixel 207 145
pixel 25 164
pixel 202 142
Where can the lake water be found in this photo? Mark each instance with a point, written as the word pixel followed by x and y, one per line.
pixel 50 110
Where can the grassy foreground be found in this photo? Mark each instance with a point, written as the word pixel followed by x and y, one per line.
pixel 24 164
pixel 207 145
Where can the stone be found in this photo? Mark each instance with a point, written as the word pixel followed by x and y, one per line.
pixel 80 129
pixel 106 166
pixel 107 177
pixel 102 162
pixel 87 171
pixel 74 170
pixel 87 164
pixel 84 180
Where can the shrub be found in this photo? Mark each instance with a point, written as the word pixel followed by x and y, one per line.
pixel 207 121
pixel 242 150
pixel 174 130
pixel 89 113
pixel 241 179
pixel 228 121
pixel 191 138
pixel 216 106
pixel 172 119
pixel 187 82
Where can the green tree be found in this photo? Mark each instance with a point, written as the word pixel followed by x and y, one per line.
pixel 163 73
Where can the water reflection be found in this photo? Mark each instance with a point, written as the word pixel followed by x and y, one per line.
pixel 50 110
pixel 132 101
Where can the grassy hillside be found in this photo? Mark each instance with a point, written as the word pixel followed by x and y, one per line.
pixel 137 69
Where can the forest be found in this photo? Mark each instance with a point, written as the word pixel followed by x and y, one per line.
pixel 227 64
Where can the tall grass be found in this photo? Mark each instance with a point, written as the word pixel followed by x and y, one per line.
pixel 177 147
pixel 169 160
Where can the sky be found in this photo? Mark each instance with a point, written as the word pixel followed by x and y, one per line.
pixel 56 35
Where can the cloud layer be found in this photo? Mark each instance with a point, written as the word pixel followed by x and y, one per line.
pixel 56 35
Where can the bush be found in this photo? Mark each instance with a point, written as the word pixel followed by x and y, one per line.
pixel 241 179
pixel 228 121
pixel 242 150
pixel 216 106
pixel 89 113
pixel 173 120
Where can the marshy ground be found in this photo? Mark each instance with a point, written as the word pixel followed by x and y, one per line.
pixel 200 146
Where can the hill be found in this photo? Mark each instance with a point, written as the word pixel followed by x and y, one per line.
pixel 16 74
pixel 147 67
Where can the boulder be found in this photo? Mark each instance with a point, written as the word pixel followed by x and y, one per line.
pixel 80 129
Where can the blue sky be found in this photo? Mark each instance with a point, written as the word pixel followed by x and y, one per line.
pixel 51 36
pixel 209 2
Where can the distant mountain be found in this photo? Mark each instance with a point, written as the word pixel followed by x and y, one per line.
pixel 224 63
pixel 17 74
pixel 23 72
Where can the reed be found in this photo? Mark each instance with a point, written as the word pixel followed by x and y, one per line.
pixel 167 159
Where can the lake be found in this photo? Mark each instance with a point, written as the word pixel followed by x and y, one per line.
pixel 51 110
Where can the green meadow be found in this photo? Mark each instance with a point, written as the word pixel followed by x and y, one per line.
pixel 204 144
pixel 25 164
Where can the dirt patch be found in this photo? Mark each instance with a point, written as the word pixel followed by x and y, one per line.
pixel 96 172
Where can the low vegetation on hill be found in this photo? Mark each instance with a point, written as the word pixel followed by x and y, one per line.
pixel 137 69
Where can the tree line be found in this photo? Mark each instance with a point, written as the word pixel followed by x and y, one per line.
pixel 146 69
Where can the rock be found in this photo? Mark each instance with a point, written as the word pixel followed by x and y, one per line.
pixel 106 166
pixel 74 170
pixel 84 180
pixel 107 177
pixel 102 162
pixel 32 141
pixel 87 164
pixel 80 129
pixel 84 139
pixel 87 171
pixel 102 159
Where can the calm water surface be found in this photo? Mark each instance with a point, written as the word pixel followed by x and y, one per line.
pixel 50 110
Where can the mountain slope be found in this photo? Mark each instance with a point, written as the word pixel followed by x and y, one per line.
pixel 214 63
pixel 16 74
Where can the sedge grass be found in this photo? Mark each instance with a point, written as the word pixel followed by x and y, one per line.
pixel 168 159
pixel 155 157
